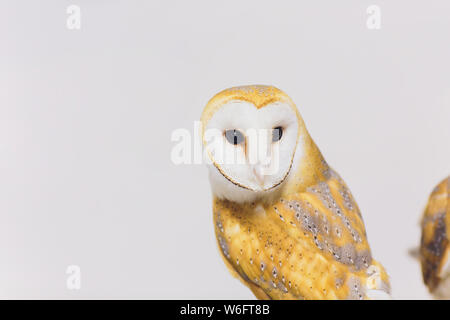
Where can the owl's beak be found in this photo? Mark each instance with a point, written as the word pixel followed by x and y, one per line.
pixel 259 175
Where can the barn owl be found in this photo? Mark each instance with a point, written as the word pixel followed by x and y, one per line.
pixel 289 231
pixel 434 250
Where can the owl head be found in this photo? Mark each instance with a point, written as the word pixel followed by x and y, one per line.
pixel 254 140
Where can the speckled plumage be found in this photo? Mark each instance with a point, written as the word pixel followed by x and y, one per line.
pixel 435 241
pixel 304 240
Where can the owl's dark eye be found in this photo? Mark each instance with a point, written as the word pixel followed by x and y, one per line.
pixel 277 133
pixel 234 136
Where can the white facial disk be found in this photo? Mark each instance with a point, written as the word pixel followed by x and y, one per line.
pixel 250 150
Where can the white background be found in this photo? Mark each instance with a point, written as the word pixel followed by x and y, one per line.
pixel 86 118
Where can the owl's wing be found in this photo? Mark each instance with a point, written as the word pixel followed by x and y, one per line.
pixel 435 245
pixel 330 226
pixel 309 245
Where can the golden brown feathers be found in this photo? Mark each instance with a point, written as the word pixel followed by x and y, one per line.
pixel 307 245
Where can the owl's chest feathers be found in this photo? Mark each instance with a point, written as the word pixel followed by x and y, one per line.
pixel 241 226
pixel 265 249
pixel 232 220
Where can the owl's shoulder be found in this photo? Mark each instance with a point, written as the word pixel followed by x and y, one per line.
pixel 329 200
